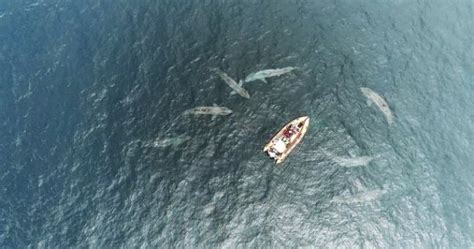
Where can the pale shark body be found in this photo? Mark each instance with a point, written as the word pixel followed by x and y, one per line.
pixel 170 141
pixel 373 97
pixel 231 82
pixel 360 197
pixel 353 161
pixel 209 110
pixel 267 73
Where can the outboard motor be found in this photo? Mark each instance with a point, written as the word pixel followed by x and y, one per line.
pixel 271 154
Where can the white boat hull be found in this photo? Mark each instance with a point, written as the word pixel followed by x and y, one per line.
pixel 275 149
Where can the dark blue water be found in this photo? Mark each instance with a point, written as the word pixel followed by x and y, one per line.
pixel 88 89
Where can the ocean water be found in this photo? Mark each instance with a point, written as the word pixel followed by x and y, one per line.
pixel 90 90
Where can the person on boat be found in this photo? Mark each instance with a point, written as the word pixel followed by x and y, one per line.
pixel 294 130
pixel 287 133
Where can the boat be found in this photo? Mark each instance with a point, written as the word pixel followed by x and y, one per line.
pixel 286 139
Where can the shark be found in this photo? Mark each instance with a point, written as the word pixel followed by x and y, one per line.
pixel 361 197
pixel 267 73
pixel 353 161
pixel 170 141
pixel 213 110
pixel 237 87
pixel 379 101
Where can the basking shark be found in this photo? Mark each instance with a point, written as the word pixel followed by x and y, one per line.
pixel 373 97
pixel 170 141
pixel 353 161
pixel 360 197
pixel 209 110
pixel 231 82
pixel 350 161
pixel 267 73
